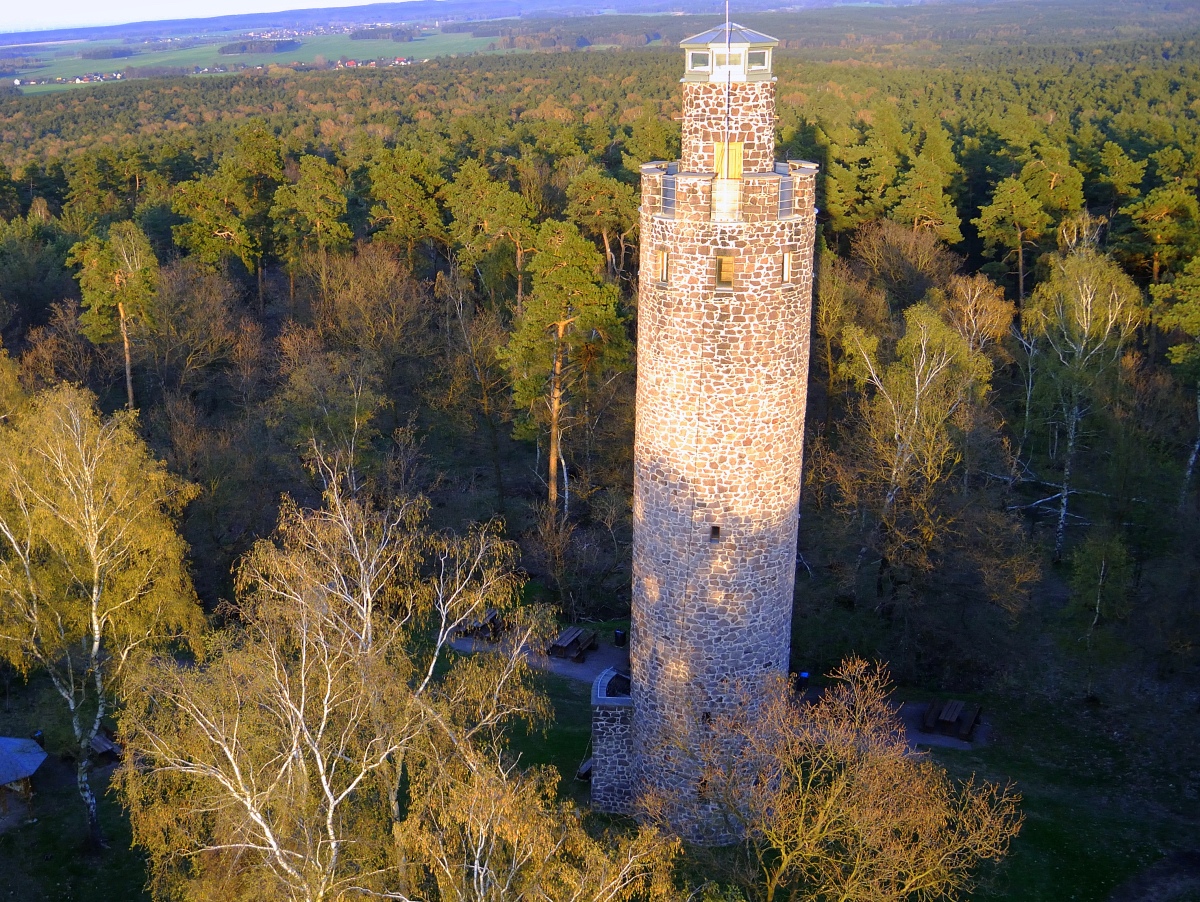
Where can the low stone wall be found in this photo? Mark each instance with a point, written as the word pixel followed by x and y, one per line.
pixel 612 748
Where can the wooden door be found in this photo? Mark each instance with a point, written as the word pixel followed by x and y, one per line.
pixel 730 168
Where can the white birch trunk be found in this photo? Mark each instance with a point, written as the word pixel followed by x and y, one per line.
pixel 1191 464
pixel 1060 530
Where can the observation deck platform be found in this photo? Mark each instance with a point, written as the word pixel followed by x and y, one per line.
pixel 785 193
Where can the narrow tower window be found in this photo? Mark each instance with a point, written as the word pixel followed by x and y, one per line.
pixel 664 266
pixel 787 268
pixel 714 535
pixel 724 272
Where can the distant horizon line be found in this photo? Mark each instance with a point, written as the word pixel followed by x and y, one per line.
pixel 468 9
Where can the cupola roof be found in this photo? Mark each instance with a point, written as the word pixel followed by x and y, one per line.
pixel 729 33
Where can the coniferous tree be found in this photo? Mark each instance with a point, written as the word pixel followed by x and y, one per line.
pixel 484 213
pixel 1013 221
pixel 603 206
pixel 229 212
pixel 569 331
pixel 1182 318
pixel 923 202
pixel 118 277
pixel 1165 229
pixel 310 215
pixel 404 189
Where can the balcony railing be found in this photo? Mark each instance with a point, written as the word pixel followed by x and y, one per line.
pixel 699 196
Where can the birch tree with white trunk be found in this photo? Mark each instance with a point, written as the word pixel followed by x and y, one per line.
pixel 902 444
pixel 274 768
pixel 1084 313
pixel 93 576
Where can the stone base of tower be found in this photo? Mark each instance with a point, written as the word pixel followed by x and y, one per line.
pixel 613 753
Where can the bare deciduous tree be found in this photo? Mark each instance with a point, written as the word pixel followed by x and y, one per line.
pixel 834 805
pixel 190 326
pixel 975 307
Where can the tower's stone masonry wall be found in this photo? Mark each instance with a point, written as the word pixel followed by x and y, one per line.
pixel 722 388
pixel 718 446
pixel 750 119
pixel 613 754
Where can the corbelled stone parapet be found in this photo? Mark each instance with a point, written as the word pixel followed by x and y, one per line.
pixel 762 196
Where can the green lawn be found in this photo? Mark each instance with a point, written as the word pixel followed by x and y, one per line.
pixel 568 741
pixel 1099 808
pixel 330 46
pixel 48 859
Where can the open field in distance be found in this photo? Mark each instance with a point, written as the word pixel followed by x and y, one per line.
pixel 53 63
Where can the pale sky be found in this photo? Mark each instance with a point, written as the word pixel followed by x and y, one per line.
pixel 27 15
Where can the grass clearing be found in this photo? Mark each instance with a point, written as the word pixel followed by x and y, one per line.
pixel 1098 809
pixel 566 743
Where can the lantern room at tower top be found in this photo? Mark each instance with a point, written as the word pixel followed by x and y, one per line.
pixel 728 53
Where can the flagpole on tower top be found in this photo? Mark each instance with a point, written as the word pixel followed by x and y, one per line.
pixel 728 87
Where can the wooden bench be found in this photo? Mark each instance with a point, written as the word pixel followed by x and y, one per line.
pixel 929 722
pixel 574 642
pixel 967 722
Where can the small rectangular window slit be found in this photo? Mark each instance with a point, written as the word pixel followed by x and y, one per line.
pixel 714 535
pixel 724 272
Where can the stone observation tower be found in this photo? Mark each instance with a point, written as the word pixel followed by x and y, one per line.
pixel 724 311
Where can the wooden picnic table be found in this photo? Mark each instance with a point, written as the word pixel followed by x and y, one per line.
pixel 951 718
pixel 574 642
pixel 950 711
pixel 487 626
pixel 102 745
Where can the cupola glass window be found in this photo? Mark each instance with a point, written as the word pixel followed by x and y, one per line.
pixel 728 53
